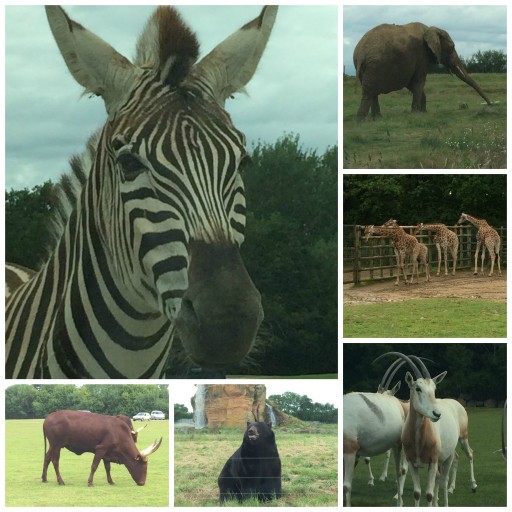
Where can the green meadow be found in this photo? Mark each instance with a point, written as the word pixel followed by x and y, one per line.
pixel 456 132
pixel 426 318
pixel 309 458
pixel 489 469
pixel 24 465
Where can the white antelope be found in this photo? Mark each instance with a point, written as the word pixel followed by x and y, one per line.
pixel 372 425
pixel 431 431
pixel 384 389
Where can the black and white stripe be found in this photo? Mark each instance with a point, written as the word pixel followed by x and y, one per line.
pixel 151 240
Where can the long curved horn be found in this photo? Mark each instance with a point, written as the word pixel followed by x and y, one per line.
pixel 142 428
pixel 407 359
pixel 424 370
pixel 151 449
pixel 390 373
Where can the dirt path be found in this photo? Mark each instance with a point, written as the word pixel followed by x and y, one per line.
pixel 462 285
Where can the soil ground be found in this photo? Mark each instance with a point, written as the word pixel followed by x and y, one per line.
pixel 462 285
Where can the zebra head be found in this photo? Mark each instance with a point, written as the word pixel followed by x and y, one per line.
pixel 165 186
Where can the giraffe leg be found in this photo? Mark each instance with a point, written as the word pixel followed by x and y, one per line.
pixel 483 259
pixel 490 248
pixel 438 259
pixel 454 257
pixel 497 251
pixel 445 261
pixel 476 258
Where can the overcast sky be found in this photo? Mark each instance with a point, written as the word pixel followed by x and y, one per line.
pixel 321 391
pixel 472 28
pixel 294 89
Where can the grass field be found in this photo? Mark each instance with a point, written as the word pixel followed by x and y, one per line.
pixel 309 459
pixel 426 318
pixel 24 463
pixel 444 137
pixel 489 467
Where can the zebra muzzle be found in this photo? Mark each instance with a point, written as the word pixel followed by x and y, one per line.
pixel 221 310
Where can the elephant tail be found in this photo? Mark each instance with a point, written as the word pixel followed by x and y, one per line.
pixel 360 68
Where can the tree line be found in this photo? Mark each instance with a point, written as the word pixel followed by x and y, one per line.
pixel 290 252
pixel 413 198
pixel 303 408
pixel 298 406
pixel 488 61
pixel 477 370
pixel 29 401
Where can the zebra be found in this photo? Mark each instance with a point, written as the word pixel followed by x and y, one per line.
pixel 152 245
pixel 15 276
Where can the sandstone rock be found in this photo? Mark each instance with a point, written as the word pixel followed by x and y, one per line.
pixel 234 404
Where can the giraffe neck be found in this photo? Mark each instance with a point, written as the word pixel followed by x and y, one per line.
pixel 479 223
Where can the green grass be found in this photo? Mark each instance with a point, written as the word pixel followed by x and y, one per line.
pixel 309 466
pixel 444 137
pixel 489 468
pixel 422 318
pixel 24 463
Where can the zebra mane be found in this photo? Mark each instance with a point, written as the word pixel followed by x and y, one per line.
pixel 69 188
pixel 167 45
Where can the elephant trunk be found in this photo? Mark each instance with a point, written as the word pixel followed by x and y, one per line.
pixel 459 70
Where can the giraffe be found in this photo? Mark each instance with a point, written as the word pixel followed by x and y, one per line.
pixel 444 239
pixel 422 252
pixel 404 245
pixel 485 237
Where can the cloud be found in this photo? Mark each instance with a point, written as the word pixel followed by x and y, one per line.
pixel 294 89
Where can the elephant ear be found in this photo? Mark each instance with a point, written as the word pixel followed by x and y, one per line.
pixel 433 40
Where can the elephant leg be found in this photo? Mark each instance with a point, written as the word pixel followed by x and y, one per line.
pixel 375 107
pixel 368 101
pixel 419 100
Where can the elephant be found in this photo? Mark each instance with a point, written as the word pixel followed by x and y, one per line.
pixel 390 57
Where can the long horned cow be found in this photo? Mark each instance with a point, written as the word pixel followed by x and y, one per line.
pixel 110 438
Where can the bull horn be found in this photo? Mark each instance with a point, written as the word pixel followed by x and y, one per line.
pixel 140 428
pixel 407 359
pixel 151 449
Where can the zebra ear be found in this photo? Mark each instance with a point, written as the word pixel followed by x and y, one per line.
pixel 93 63
pixel 231 64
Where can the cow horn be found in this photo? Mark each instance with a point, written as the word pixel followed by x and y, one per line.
pixel 150 449
pixel 407 359
pixel 141 428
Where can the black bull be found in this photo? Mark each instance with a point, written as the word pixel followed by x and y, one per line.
pixel 110 438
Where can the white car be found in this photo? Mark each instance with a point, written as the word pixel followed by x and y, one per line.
pixel 157 415
pixel 142 416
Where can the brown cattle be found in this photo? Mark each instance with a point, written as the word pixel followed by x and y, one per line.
pixel 110 438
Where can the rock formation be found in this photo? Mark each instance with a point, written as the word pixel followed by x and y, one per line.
pixel 233 404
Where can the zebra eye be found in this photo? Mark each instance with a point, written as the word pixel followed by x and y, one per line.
pixel 245 163
pixel 130 164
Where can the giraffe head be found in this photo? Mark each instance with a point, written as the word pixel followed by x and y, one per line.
pixel 368 231
pixel 419 227
pixel 391 223
pixel 463 218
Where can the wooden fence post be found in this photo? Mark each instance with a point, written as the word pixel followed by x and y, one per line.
pixel 357 245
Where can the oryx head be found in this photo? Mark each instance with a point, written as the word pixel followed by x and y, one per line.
pixel 422 386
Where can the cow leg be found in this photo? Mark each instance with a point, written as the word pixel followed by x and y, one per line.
pixel 55 456
pixel 107 469
pixel 46 463
pixel 95 463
